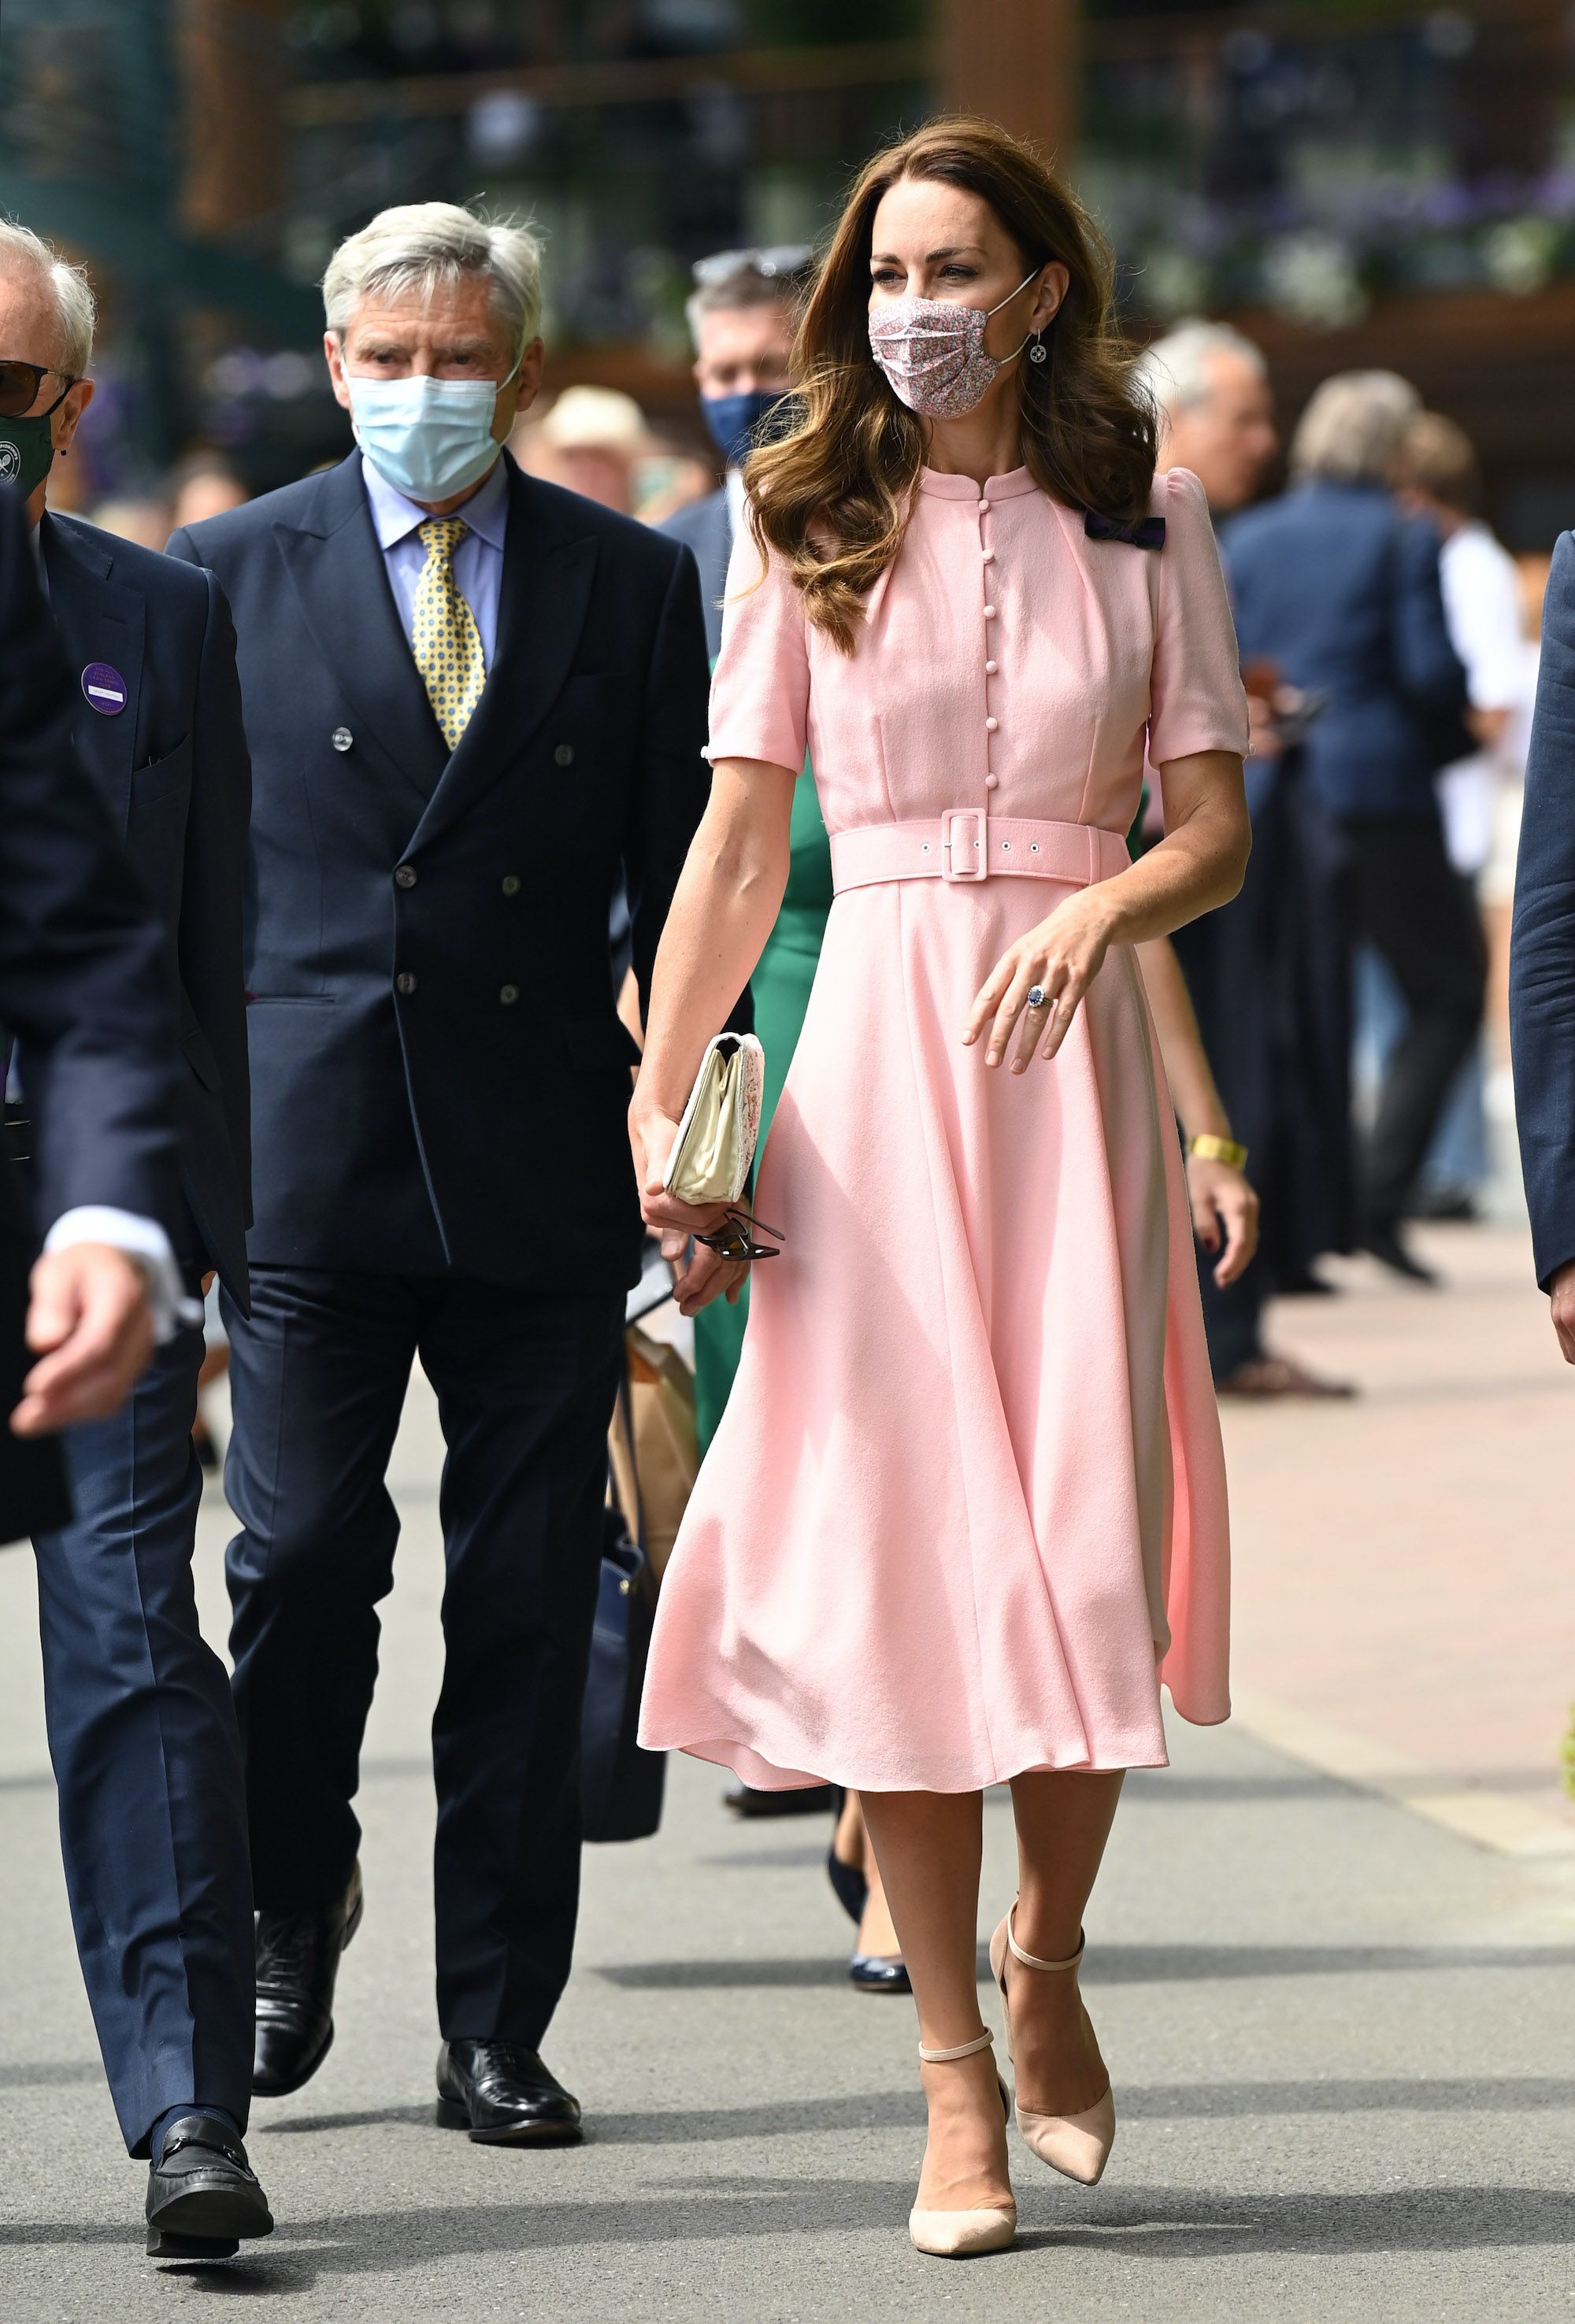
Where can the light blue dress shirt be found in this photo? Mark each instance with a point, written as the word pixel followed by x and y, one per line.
pixel 477 560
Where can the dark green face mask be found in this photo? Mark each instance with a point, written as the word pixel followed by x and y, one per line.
pixel 27 453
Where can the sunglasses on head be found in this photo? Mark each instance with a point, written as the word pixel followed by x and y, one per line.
pixel 778 261
pixel 20 383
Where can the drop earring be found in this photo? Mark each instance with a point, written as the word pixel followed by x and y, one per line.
pixel 1038 352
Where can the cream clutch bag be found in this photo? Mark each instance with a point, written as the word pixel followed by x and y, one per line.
pixel 714 1149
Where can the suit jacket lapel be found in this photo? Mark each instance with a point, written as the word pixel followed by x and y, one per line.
pixel 336 567
pixel 547 571
pixel 98 621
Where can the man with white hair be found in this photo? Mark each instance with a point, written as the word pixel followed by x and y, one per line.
pixel 1244 966
pixel 1341 591
pixel 141 1728
pixel 475 701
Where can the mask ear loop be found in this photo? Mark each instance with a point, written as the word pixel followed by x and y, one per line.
pixel 1038 354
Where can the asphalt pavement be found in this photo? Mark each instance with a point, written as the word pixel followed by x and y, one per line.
pixel 1342 2036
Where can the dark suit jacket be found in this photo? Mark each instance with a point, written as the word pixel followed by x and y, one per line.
pixel 706 531
pixel 1541 949
pixel 1341 591
pixel 173 767
pixel 79 962
pixel 438 1079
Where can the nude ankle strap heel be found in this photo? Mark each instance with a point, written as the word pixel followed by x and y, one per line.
pixel 963 2234
pixel 1078 2146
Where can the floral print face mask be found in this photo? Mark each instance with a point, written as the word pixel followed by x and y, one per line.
pixel 932 351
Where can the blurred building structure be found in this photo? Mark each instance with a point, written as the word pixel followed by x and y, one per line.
pixel 1356 181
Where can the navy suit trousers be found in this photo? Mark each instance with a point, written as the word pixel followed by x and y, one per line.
pixel 142 1736
pixel 526 1388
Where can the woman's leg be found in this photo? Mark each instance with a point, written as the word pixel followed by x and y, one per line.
pixel 929 1846
pixel 877 1934
pixel 1063 1821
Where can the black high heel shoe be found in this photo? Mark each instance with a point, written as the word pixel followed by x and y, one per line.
pixel 879 1973
pixel 848 1883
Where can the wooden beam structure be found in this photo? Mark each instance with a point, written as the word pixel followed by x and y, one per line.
pixel 1017 62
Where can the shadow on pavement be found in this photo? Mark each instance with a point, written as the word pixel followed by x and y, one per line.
pixel 1141 2223
pixel 1118 1964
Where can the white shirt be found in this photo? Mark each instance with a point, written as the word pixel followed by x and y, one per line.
pixel 477 560
pixel 1482 608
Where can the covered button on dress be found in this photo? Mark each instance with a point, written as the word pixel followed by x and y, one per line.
pixel 965 1506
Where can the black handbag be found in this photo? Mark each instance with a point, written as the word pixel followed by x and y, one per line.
pixel 620 1786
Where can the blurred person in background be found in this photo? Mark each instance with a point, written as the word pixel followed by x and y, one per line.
pixel 140 517
pixel 1541 958
pixel 142 1728
pixel 484 699
pixel 1339 591
pixel 1266 974
pixel 590 441
pixel 742 315
pixel 1436 476
pixel 203 484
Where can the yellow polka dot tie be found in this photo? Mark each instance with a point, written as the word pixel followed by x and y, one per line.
pixel 446 641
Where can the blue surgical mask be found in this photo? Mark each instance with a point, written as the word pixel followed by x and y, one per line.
pixel 736 421
pixel 429 439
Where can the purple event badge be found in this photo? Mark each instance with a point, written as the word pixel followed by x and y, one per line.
pixel 105 689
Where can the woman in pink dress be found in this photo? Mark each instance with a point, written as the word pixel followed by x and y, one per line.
pixel 965 1509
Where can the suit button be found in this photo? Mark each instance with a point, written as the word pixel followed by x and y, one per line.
pixel 511 883
pixel 341 738
pixel 509 995
pixel 404 982
pixel 405 877
pixel 563 756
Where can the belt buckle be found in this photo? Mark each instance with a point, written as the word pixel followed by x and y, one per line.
pixel 955 849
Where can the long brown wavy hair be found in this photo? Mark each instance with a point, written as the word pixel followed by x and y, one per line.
pixel 833 496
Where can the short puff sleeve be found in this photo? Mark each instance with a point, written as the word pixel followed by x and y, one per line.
pixel 760 689
pixel 1197 702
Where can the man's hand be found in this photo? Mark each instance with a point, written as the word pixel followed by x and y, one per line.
pixel 90 1321
pixel 1563 1304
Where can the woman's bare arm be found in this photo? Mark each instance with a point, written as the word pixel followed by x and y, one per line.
pixel 723 910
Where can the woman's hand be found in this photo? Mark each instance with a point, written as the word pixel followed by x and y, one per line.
pixel 1223 1198
pixel 699 1274
pixel 1061 957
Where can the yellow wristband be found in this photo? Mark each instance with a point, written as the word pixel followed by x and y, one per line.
pixel 1218 1150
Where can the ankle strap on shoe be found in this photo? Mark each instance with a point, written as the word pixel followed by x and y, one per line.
pixel 1031 1961
pixel 964 2050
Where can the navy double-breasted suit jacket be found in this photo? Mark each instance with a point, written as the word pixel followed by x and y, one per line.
pixel 1542 946
pixel 168 755
pixel 438 1077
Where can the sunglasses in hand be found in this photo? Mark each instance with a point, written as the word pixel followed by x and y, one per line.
pixel 735 1239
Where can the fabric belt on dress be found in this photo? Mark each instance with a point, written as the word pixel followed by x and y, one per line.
pixel 967 844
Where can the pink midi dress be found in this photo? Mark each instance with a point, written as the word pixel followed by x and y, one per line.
pixel 965 1506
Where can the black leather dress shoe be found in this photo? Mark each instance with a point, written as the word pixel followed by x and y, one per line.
pixel 503 2096
pixel 1385 1244
pixel 298 1960
pixel 203 2196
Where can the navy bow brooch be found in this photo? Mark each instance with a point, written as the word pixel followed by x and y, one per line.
pixel 1148 532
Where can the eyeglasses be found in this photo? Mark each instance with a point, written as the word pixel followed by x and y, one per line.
pixel 733 1240
pixel 20 383
pixel 777 261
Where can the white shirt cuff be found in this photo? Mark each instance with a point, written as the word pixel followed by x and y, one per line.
pixel 145 1241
